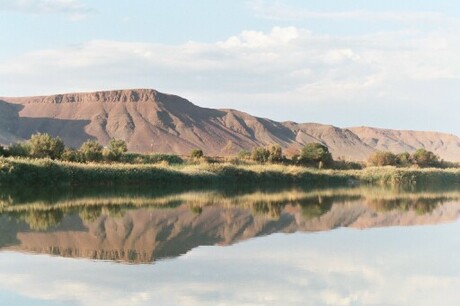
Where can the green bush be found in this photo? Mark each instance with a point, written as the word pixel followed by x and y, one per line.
pixel 404 159
pixel 272 154
pixel 346 165
pixel 244 154
pixel 316 154
pixel 72 155
pixel 3 152
pixel 382 158
pixel 137 158
pixel 20 149
pixel 91 151
pixel 275 154
pixel 116 149
pixel 43 145
pixel 424 158
pixel 196 153
pixel 260 154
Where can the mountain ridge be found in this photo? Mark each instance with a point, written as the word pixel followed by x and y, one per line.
pixel 151 121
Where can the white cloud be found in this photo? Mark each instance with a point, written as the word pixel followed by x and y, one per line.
pixel 74 8
pixel 270 74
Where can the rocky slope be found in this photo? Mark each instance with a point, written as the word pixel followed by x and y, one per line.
pixel 151 121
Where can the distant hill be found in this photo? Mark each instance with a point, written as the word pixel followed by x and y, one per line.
pixel 150 121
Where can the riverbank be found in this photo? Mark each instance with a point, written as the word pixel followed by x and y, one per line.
pixel 14 171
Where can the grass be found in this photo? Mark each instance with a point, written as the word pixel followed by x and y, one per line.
pixel 407 176
pixel 46 172
pixel 15 171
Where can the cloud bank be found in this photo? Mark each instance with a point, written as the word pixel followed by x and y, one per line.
pixel 397 75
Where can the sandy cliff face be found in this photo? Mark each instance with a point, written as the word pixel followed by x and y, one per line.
pixel 150 121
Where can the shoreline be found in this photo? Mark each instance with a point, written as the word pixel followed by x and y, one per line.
pixel 43 172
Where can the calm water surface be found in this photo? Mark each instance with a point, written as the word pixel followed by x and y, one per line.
pixel 252 246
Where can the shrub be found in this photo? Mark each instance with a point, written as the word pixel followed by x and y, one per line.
pixel 272 154
pixel 244 154
pixel 347 165
pixel 260 154
pixel 72 155
pixel 196 153
pixel 316 154
pixel 424 158
pixel 2 151
pixel 91 150
pixel 404 159
pixel 382 158
pixel 20 149
pixel 43 145
pixel 136 158
pixel 275 154
pixel 116 148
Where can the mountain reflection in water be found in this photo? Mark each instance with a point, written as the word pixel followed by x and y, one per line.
pixel 142 226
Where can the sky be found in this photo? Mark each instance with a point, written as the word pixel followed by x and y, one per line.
pixel 383 266
pixel 391 64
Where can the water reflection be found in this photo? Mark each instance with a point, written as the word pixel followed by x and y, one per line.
pixel 141 226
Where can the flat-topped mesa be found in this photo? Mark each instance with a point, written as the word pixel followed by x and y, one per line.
pixel 109 96
pixel 151 121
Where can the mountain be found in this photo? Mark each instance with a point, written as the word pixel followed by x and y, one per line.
pixel 150 121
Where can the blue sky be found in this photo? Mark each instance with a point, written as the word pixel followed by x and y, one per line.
pixel 391 64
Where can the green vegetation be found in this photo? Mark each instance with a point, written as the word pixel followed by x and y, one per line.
pixel 196 153
pixel 382 158
pixel 137 158
pixel 244 154
pixel 316 154
pixel 91 151
pixel 269 154
pixel 116 149
pixel 45 146
pixel 46 171
pixel 14 171
pixel 21 149
pixel 424 158
pixel 44 160
pixel 420 158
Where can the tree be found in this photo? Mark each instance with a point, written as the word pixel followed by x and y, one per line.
pixel 382 158
pixel 316 154
pixel 72 155
pixel 20 149
pixel 117 148
pixel 272 154
pixel 424 158
pixel 196 153
pixel 43 145
pixel 275 154
pixel 260 154
pixel 91 150
pixel 404 159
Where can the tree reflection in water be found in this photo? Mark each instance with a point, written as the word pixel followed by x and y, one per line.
pixel 137 225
